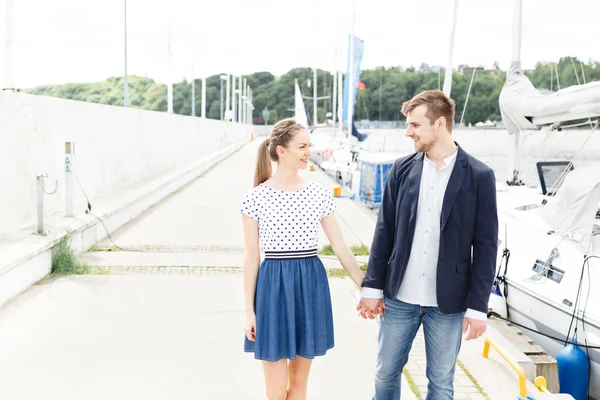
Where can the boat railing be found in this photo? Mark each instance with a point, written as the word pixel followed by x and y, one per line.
pixel 516 367
pixel 541 384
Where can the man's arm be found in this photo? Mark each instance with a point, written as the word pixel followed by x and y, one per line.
pixel 383 238
pixel 485 243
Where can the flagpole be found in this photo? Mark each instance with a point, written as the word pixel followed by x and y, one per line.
pixel 350 105
pixel 193 89
pixel 125 80
pixel 8 45
pixel 170 78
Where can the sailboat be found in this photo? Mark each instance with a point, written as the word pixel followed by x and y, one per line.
pixel 324 140
pixel 548 278
pixel 359 171
pixel 299 110
pixel 342 147
pixel 343 160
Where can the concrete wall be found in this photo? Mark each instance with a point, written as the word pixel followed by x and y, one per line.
pixel 115 148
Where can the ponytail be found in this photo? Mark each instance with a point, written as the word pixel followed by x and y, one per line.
pixel 263 164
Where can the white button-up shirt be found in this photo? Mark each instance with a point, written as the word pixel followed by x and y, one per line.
pixel 419 282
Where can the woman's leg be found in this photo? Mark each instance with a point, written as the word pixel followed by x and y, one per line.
pixel 298 378
pixel 276 379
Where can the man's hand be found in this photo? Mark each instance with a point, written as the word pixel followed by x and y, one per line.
pixel 369 308
pixel 476 328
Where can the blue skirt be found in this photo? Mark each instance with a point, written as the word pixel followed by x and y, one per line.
pixel 293 310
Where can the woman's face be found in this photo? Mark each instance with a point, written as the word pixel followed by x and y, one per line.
pixel 297 153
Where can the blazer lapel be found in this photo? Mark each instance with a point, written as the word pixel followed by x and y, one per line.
pixel 414 184
pixel 454 184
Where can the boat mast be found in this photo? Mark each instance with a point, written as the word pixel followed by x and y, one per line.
pixel 335 89
pixel 315 119
pixel 514 139
pixel 448 75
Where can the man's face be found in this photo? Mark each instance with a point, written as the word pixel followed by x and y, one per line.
pixel 423 133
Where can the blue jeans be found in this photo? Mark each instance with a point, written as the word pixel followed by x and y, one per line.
pixel 399 325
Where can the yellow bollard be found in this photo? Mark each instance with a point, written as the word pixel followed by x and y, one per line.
pixel 337 191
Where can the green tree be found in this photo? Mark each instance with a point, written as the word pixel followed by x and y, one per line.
pixel 385 91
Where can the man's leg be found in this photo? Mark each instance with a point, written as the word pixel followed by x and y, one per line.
pixel 399 325
pixel 443 336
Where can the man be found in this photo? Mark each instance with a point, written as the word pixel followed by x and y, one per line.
pixel 434 251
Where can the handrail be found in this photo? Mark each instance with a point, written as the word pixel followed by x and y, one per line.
pixel 541 384
pixel 518 369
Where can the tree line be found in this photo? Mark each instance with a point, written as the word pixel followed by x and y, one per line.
pixel 385 89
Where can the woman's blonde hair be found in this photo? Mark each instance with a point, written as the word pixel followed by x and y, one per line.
pixel 281 135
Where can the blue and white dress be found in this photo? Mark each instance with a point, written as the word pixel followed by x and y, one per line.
pixel 292 301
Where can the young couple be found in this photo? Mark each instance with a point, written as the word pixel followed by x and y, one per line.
pixel 432 259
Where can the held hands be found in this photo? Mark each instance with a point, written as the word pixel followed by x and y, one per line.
pixel 475 327
pixel 250 327
pixel 370 308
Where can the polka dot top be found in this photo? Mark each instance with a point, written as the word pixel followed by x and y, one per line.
pixel 288 221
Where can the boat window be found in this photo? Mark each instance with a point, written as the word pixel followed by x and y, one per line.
pixel 551 272
pixel 552 175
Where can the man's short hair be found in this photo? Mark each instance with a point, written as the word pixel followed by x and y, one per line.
pixel 438 105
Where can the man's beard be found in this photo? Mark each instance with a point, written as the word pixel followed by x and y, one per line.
pixel 425 147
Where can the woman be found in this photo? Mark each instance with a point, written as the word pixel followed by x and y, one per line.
pixel 288 305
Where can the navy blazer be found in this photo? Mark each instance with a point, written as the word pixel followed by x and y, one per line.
pixel 468 233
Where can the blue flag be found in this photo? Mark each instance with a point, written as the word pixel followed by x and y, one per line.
pixel 359 47
pixel 360 136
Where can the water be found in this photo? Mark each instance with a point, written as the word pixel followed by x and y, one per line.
pixel 491 146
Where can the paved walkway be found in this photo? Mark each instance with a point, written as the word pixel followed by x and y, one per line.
pixel 161 327
pixel 197 203
pixel 159 337
pixel 205 214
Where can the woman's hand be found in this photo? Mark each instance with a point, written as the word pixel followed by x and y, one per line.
pixel 250 327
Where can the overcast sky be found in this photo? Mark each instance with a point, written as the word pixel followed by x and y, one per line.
pixel 82 40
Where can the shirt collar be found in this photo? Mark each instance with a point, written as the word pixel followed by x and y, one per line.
pixel 447 161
